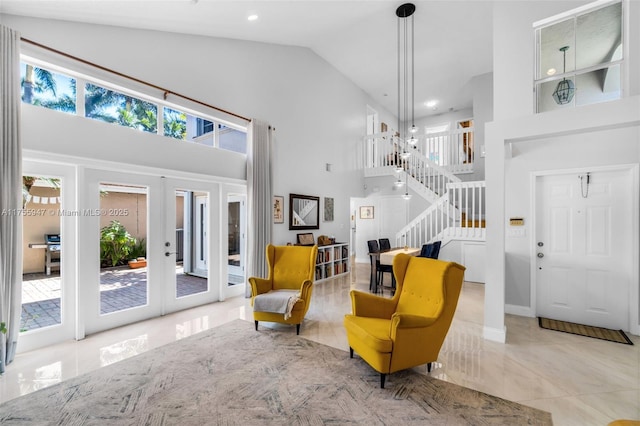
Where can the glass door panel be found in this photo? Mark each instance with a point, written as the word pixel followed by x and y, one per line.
pixel 48 276
pixel 41 278
pixel 191 243
pixel 119 254
pixel 123 247
pixel 236 243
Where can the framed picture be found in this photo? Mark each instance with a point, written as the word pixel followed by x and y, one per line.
pixel 306 239
pixel 304 212
pixel 328 209
pixel 278 209
pixel 366 212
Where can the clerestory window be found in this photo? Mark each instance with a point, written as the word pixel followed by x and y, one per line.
pixel 43 87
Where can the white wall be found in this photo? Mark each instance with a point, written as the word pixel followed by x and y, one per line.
pixel 64 134
pixel 513 55
pixel 319 114
pixel 596 148
pixel 482 114
pixel 591 135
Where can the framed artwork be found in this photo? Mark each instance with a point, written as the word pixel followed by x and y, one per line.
pixel 306 239
pixel 366 212
pixel 328 209
pixel 278 209
pixel 304 212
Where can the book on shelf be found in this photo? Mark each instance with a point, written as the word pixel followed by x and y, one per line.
pixel 318 273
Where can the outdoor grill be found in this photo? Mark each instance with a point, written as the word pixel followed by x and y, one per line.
pixel 51 252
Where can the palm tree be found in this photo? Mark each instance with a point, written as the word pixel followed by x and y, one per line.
pixel 64 103
pixel 175 124
pixel 41 81
pixel 103 104
pixel 97 100
pixel 114 107
pixel 37 80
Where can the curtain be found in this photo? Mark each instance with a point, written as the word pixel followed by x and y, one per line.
pixel 10 194
pixel 259 197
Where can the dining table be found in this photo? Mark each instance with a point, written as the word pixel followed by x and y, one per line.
pixel 385 257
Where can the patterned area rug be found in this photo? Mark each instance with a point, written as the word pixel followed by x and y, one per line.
pixel 233 375
pixel 617 336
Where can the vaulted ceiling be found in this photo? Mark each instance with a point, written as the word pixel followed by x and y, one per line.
pixel 453 39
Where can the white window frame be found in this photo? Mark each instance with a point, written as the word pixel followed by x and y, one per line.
pixel 574 14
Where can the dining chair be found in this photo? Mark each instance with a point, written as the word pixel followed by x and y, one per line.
pixel 431 250
pixel 385 244
pixel 379 268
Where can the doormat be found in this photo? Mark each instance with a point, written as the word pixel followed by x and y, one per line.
pixel 617 336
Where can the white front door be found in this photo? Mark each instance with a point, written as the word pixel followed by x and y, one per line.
pixel 584 247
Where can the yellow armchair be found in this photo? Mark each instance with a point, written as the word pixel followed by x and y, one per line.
pixel 409 329
pixel 290 268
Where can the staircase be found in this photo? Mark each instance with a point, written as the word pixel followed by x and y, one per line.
pixel 305 207
pixel 456 207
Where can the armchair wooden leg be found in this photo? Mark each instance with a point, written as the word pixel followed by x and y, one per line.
pixel 382 377
pixel 256 325
pixel 298 329
pixel 350 352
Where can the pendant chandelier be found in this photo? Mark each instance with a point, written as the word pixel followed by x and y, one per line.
pixel 566 89
pixel 405 85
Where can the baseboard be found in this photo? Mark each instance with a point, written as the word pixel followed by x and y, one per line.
pixel 495 334
pixel 522 311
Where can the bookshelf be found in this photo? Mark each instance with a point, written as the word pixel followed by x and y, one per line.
pixel 332 260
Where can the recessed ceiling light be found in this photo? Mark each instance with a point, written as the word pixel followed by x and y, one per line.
pixel 252 17
pixel 431 104
pixel 551 71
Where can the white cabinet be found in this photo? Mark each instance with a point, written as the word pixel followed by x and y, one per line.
pixel 332 260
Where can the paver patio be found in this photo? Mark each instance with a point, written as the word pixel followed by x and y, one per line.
pixel 120 288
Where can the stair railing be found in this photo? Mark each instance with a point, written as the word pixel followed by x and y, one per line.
pixel 428 225
pixel 452 150
pixel 383 155
pixel 428 174
pixel 457 214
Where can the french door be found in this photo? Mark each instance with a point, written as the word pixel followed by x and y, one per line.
pixel 188 256
pixel 145 247
pixel 48 288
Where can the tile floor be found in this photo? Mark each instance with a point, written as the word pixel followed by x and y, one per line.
pixel 581 381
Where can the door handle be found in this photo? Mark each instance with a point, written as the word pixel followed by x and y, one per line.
pixel 169 253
